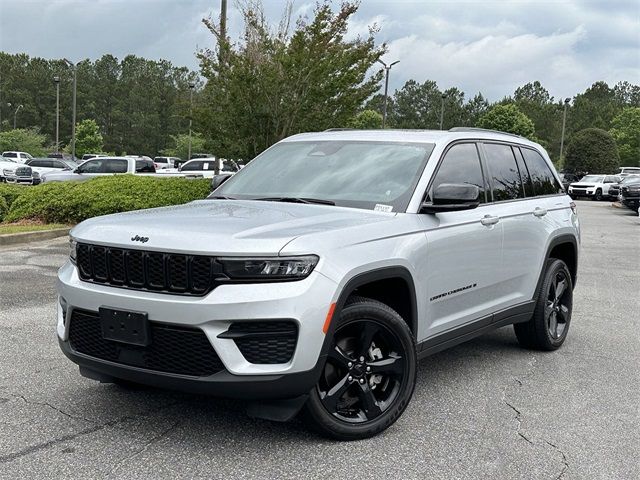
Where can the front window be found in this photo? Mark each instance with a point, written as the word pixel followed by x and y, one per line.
pixel 368 175
pixel 592 179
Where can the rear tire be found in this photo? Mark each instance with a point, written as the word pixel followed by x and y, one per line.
pixel 548 328
pixel 370 373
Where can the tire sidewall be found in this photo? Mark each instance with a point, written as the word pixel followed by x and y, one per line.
pixel 554 267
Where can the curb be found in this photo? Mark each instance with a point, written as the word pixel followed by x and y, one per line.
pixel 25 237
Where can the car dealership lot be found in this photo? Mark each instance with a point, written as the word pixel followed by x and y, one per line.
pixel 485 409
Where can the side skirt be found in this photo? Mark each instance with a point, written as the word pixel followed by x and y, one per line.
pixel 518 314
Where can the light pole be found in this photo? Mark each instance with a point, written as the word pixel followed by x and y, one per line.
pixel 386 88
pixel 73 115
pixel 564 122
pixel 56 80
pixel 191 87
pixel 443 96
pixel 15 115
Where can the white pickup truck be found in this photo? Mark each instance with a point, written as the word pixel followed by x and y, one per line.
pixel 99 167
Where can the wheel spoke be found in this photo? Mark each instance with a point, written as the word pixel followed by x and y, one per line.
pixel 369 402
pixel 366 337
pixel 390 366
pixel 548 309
pixel 553 325
pixel 560 288
pixel 339 356
pixel 333 396
pixel 564 313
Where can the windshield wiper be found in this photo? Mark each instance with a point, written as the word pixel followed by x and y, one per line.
pixel 297 200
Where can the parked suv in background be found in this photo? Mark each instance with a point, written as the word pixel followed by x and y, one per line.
pixel 319 274
pixel 19 157
pixel 595 187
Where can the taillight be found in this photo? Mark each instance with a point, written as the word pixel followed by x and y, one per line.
pixel 574 207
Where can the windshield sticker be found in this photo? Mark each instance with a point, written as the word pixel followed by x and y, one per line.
pixel 383 208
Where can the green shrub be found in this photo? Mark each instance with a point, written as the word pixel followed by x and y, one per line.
pixel 10 192
pixel 73 202
pixel 3 208
pixel 592 151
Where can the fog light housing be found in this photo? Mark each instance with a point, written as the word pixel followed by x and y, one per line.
pixel 63 307
pixel 73 251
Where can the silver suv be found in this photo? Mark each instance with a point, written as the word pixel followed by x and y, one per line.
pixel 318 275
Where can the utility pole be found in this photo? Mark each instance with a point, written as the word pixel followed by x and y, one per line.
pixel 564 122
pixel 56 80
pixel 386 88
pixel 443 96
pixel 15 115
pixel 73 116
pixel 222 41
pixel 191 87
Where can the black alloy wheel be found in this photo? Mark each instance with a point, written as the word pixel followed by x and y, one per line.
pixel 369 374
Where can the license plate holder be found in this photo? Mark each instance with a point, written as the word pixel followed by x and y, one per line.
pixel 125 326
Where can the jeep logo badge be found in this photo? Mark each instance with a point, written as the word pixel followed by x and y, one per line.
pixel 140 239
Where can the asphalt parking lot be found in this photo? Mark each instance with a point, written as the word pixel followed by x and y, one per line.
pixel 485 409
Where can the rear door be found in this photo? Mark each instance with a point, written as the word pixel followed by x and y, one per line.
pixel 464 249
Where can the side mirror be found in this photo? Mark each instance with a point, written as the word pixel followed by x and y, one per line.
pixel 218 180
pixel 77 170
pixel 453 197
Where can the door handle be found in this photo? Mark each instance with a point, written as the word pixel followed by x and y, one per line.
pixel 489 220
pixel 540 212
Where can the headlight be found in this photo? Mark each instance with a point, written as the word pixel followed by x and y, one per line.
pixel 73 248
pixel 35 174
pixel 282 268
pixel 7 173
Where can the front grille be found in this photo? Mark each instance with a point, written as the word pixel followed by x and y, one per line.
pixel 266 342
pixel 173 349
pixel 141 270
pixel 23 172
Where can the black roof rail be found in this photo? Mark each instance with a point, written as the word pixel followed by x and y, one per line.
pixel 339 129
pixel 477 129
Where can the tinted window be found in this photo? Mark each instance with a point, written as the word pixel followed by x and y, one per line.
pixel 527 183
pixel 461 164
pixel 114 166
pixel 10 155
pixel 544 182
pixel 58 164
pixel 38 163
pixel 145 166
pixel 192 167
pixel 91 166
pixel 503 171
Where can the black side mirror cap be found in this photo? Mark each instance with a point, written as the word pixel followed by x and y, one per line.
pixel 452 197
pixel 218 180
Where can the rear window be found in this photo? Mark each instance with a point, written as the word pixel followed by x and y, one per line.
pixel 145 166
pixel 544 182
pixel 506 183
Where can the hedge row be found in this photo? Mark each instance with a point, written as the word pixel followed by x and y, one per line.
pixel 8 193
pixel 73 202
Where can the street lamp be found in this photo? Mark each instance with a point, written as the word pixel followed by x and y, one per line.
pixel 56 80
pixel 191 87
pixel 443 96
pixel 15 115
pixel 73 116
pixel 386 88
pixel 564 122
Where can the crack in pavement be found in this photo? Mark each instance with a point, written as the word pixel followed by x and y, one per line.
pixel 144 448
pixel 72 436
pixel 565 461
pixel 45 404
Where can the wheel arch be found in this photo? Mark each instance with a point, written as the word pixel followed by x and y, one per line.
pixel 391 285
pixel 563 247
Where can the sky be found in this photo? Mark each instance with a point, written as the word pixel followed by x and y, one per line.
pixel 483 46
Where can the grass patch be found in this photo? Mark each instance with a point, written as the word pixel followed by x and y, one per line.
pixel 21 228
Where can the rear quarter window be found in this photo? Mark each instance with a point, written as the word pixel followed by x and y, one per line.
pixel 543 179
pixel 506 183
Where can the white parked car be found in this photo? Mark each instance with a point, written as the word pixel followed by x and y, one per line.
pixel 20 157
pixel 47 165
pixel 8 164
pixel 593 186
pixel 97 167
pixel 163 163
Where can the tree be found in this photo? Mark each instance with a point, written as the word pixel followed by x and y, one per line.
pixel 507 118
pixel 274 84
pixel 626 132
pixel 366 120
pixel 592 150
pixel 88 138
pixel 180 146
pixel 24 140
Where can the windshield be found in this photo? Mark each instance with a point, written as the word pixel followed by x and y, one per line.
pixel 368 175
pixel 630 179
pixel 592 179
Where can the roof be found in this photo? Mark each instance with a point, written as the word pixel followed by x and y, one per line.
pixel 411 136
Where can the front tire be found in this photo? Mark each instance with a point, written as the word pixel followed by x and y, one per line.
pixel 598 196
pixel 370 373
pixel 548 328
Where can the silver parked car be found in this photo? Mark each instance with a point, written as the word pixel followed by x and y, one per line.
pixel 319 274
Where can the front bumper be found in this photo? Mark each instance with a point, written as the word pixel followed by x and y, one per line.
pixel 306 302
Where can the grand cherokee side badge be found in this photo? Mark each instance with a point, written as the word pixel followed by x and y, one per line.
pixel 138 238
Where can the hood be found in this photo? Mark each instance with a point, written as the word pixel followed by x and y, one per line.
pixel 221 227
pixel 583 185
